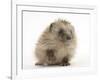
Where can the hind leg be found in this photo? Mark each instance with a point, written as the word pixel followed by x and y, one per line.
pixel 38 63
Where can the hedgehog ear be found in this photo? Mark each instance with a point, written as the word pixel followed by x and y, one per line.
pixel 51 26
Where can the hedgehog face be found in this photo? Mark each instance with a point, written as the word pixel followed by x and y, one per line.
pixel 63 31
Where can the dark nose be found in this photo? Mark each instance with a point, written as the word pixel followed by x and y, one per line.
pixel 68 38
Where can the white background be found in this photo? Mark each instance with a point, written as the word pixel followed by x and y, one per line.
pixel 5 37
pixel 34 23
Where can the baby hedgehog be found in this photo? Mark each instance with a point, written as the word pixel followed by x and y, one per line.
pixel 57 44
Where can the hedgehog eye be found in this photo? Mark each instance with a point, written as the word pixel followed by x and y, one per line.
pixel 60 31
